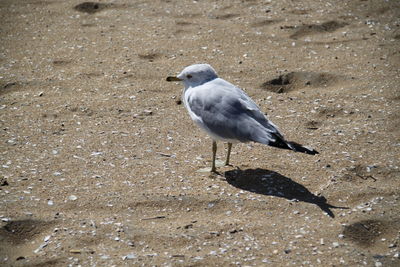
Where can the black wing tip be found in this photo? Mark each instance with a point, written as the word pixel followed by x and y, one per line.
pixel 306 150
pixel 299 148
pixel 281 143
pixel 312 152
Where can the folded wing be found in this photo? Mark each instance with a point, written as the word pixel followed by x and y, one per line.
pixel 230 114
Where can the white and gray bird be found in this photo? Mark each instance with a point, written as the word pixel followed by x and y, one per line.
pixel 227 113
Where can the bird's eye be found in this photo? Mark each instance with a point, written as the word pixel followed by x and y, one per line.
pixel 189 76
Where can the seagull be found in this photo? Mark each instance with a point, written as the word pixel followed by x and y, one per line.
pixel 227 113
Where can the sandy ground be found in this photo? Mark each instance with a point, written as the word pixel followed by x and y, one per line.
pixel 101 165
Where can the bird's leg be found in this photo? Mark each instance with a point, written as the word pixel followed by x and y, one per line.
pixel 214 150
pixel 228 155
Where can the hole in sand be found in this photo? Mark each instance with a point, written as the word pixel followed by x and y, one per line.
pixel 150 56
pixel 365 232
pixel 61 62
pixel 265 22
pixel 297 80
pixel 313 125
pixel 23 230
pixel 91 7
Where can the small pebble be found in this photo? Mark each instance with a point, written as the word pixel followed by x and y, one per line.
pixel 130 256
pixel 147 112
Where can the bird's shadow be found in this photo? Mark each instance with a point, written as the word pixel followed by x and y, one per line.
pixel 271 183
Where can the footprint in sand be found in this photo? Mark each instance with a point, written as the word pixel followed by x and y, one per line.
pixel 310 29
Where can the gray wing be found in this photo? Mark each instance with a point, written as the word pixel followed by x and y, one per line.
pixel 229 113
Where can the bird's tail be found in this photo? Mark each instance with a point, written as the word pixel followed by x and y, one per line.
pixel 299 148
pixel 280 142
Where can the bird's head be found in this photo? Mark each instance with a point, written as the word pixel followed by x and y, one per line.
pixel 195 75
